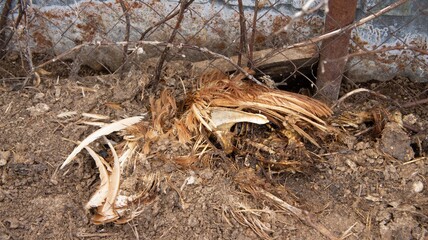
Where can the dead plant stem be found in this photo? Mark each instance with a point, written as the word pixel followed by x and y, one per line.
pixel 158 72
pixel 127 34
pixel 347 28
pixel 253 35
pixel 243 32
pixel 301 214
pixel 153 43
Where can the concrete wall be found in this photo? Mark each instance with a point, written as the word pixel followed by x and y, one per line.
pixel 58 25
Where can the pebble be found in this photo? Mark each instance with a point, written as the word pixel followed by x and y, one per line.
pixel 410 119
pixel 362 145
pixel 13 223
pixel 39 109
pixel 396 142
pixel 2 196
pixel 4 157
pixel 351 164
pixel 192 221
pixel 207 174
pixel 418 186
pixel 39 96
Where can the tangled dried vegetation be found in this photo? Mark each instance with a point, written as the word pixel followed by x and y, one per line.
pixel 263 126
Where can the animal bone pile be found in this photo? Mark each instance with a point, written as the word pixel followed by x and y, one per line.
pixel 213 114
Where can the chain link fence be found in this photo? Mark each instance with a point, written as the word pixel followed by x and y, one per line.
pixel 282 40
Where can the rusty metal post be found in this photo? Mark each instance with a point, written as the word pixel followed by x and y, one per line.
pixel 334 50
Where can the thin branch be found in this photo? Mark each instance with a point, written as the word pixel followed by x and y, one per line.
pixel 183 6
pixel 127 33
pixel 253 35
pixel 3 22
pixel 28 54
pixel 164 20
pixel 347 28
pixel 305 11
pixel 303 215
pixel 382 50
pixel 243 32
pixel 415 103
pixel 359 90
pixel 17 22
pixel 153 43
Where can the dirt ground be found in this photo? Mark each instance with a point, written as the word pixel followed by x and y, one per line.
pixel 366 186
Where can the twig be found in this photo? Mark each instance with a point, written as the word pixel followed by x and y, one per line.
pixel 303 215
pixel 164 20
pixel 305 11
pixel 154 43
pixel 382 50
pixel 415 103
pixel 92 235
pixel 359 90
pixel 3 22
pixel 243 32
pixel 339 31
pixel 28 54
pixel 162 58
pixel 415 160
pixel 347 28
pixel 127 33
pixel 347 233
pixel 253 35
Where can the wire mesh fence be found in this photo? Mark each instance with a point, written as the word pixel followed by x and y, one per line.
pixel 287 43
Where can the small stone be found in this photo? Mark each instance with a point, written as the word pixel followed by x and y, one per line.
pixel 4 157
pixel 192 221
pixel 207 174
pixel 13 223
pixel 54 181
pixel 2 196
pixel 410 119
pixel 57 91
pixel 190 180
pixel 371 153
pixel 350 141
pixel 39 96
pixel 361 146
pixel 4 236
pixel 351 164
pixel 418 186
pixel 39 109
pixel 396 142
pixel 342 169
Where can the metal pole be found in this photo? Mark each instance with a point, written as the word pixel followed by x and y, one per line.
pixel 334 50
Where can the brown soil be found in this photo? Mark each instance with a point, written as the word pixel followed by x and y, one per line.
pixel 364 189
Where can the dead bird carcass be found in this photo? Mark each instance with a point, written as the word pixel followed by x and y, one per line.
pixel 210 119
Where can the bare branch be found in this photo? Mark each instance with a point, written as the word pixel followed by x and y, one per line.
pixel 243 32
pixel 127 33
pixel 349 27
pixel 166 19
pixel 153 43
pixel 183 6
pixel 253 35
